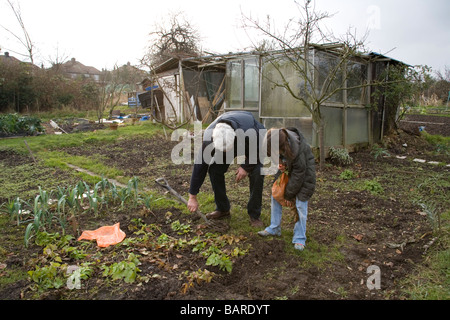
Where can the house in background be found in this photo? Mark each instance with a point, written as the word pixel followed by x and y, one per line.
pixel 7 59
pixel 75 70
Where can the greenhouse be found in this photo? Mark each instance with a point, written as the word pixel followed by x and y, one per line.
pixel 252 81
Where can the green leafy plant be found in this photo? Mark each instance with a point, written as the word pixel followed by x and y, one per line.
pixel 340 156
pixel 180 228
pixel 347 174
pixel 378 151
pixel 14 124
pixel 373 186
pixel 220 260
pixel 125 270
pixel 50 276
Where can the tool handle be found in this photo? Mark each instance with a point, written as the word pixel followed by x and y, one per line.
pixel 163 183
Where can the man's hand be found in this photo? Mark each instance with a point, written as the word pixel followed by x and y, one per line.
pixel 192 203
pixel 240 174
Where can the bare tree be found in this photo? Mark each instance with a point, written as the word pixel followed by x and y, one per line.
pixel 442 85
pixel 321 75
pixel 25 40
pixel 175 38
pixel 110 90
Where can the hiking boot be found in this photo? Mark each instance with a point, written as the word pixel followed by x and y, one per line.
pixel 218 215
pixel 256 223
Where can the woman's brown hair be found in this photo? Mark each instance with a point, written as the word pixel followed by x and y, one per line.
pixel 283 140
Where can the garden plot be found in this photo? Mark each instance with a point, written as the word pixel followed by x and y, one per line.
pixel 371 216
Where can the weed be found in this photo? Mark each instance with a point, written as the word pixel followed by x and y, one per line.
pixel 433 213
pixel 347 174
pixel 373 186
pixel 378 151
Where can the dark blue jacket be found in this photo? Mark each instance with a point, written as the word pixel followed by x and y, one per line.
pixel 237 120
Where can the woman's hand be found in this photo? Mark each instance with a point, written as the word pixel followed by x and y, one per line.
pixel 289 204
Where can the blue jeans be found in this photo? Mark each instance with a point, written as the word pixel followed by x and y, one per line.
pixel 300 225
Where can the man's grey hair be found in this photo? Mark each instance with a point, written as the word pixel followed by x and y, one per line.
pixel 223 137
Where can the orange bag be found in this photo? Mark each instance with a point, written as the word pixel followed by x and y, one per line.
pixel 105 236
pixel 278 188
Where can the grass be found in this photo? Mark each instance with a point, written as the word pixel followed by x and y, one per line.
pixel 10 274
pixel 93 163
pixel 431 281
pixel 56 142
pixel 26 177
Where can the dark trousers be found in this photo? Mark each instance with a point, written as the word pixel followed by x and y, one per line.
pixel 256 179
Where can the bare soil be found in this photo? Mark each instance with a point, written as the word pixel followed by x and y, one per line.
pixel 365 229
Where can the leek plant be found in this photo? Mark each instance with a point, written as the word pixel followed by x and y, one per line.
pixel 133 185
pixel 123 194
pixel 14 209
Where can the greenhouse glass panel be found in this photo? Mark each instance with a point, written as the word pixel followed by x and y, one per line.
pixel 328 67
pixel 234 74
pixel 304 125
pixel 251 83
pixel 332 118
pixel 270 123
pixel 356 75
pixel 277 101
pixel 357 125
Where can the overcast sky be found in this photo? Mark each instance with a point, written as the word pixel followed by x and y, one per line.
pixel 101 33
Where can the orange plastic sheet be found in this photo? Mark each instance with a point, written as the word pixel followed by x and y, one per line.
pixel 105 236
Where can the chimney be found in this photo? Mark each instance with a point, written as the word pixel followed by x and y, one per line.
pixel 7 54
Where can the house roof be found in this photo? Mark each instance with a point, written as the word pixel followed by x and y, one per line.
pixel 76 67
pixel 219 60
pixel 380 57
pixel 7 58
